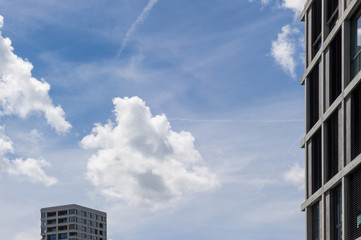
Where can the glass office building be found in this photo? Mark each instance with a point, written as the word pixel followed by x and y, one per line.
pixel 332 142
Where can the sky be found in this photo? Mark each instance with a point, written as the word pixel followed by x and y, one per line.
pixel 180 119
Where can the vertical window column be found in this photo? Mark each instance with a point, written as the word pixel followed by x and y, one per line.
pixel 356 122
pixel 316 26
pixel 331 13
pixel 354 206
pixel 316 224
pixel 331 146
pixel 336 217
pixel 313 98
pixel 335 68
pixel 355 45
pixel 316 161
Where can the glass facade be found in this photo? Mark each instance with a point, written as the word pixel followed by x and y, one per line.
pixel 82 213
pixel 337 213
pixel 73 211
pixel 331 14
pixel 63 236
pixel 316 222
pixel 354 206
pixel 332 138
pixel 355 46
pixel 52 237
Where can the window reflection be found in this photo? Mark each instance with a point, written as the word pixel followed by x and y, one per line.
pixel 355 46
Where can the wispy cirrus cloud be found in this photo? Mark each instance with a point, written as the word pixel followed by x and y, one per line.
pixel 143 15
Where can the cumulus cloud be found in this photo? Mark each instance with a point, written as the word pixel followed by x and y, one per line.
pixel 135 24
pixel 30 168
pixel 139 159
pixel 22 94
pixel 33 169
pixel 283 49
pixel 296 5
pixel 296 176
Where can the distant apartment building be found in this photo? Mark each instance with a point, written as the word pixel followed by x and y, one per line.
pixel 332 142
pixel 73 222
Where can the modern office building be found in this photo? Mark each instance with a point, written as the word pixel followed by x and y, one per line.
pixel 332 142
pixel 73 222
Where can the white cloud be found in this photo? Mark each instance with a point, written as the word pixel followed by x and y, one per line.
pixel 296 176
pixel 135 24
pixel 283 50
pixel 139 158
pixel 262 1
pixel 296 5
pixel 33 169
pixel 30 168
pixel 22 94
pixel 5 143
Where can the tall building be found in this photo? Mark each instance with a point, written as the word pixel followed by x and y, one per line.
pixel 332 142
pixel 73 222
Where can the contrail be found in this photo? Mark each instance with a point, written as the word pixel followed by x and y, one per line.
pixel 135 24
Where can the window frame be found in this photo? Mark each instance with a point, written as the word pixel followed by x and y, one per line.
pixel 355 54
pixel 331 15
pixel 316 221
pixel 337 213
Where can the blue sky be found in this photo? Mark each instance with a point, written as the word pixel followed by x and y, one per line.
pixel 180 119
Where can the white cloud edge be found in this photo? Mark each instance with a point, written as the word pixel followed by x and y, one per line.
pixel 29 168
pixel 1 21
pixel 295 5
pixel 283 50
pixel 295 176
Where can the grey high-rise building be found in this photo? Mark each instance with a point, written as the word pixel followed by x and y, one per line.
pixel 73 222
pixel 332 142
